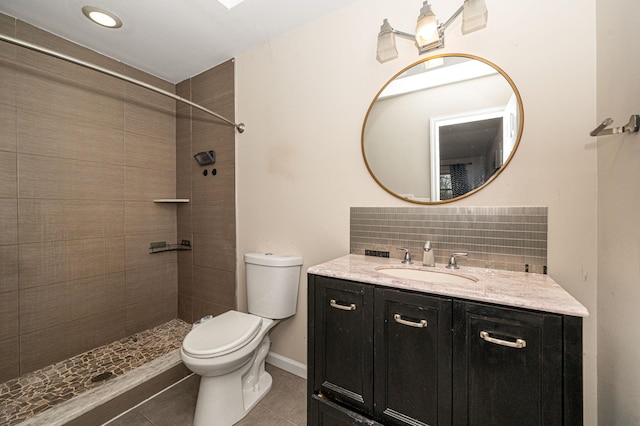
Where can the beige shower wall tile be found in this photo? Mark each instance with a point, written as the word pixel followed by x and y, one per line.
pixel 149 119
pixel 8 221
pixel 56 343
pixel 8 27
pixel 8 315
pixel 214 219
pixel 8 138
pixel 214 252
pixel 185 223
pixel 148 314
pixel 51 220
pixel 9 359
pixel 144 217
pixel 149 283
pixel 214 285
pixel 213 188
pixel 67 71
pixel 7 81
pixel 114 260
pixel 7 24
pixel 69 120
pixel 202 308
pixel 63 179
pixel 183 89
pixel 149 153
pixel 60 261
pixel 184 161
pixel 148 184
pixel 59 303
pixel 215 83
pixel 148 98
pixel 137 251
pixel 208 135
pixel 8 268
pixel 8 174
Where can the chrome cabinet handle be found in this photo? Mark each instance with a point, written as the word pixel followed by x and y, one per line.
pixel 350 307
pixel 399 320
pixel 518 344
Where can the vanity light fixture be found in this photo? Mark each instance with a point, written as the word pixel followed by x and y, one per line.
pixel 102 17
pixel 429 33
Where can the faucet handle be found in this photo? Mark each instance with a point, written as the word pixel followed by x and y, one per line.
pixel 407 255
pixel 452 261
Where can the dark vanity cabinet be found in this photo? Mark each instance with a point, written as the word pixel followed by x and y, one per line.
pixel 379 355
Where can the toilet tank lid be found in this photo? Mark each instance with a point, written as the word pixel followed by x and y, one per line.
pixel 271 259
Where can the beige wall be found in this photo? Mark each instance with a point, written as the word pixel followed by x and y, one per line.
pixel 304 96
pixel 82 156
pixel 207 275
pixel 618 204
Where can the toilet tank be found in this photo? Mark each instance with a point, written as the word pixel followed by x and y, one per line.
pixel 272 284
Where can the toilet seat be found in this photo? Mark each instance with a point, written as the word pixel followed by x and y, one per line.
pixel 221 335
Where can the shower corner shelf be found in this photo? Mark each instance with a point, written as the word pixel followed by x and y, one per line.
pixel 162 246
pixel 171 200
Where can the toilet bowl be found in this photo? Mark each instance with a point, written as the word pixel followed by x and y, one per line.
pixel 229 350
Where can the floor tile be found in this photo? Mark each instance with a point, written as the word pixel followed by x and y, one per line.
pixel 284 405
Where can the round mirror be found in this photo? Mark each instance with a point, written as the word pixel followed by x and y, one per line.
pixel 442 128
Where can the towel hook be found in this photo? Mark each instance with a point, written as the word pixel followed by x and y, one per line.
pixel 632 126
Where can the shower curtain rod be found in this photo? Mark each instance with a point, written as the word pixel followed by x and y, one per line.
pixel 18 42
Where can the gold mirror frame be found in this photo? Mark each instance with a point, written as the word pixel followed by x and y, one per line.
pixel 494 175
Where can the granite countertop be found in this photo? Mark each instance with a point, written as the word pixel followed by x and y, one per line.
pixel 518 289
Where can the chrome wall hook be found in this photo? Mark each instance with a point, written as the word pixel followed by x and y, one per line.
pixel 632 126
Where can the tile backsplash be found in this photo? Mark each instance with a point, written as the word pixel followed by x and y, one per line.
pixel 507 238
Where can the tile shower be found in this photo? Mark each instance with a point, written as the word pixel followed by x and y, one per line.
pixel 76 187
pixel 34 393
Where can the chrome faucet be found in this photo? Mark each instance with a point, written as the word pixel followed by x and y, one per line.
pixel 407 255
pixel 452 261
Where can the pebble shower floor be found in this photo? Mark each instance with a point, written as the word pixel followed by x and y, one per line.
pixel 32 393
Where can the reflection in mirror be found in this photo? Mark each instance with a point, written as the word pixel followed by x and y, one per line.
pixel 442 128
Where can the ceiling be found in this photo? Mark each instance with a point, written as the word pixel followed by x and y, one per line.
pixel 172 39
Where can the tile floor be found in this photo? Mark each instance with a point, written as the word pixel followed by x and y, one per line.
pixel 284 405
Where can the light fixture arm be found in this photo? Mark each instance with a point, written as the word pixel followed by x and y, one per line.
pixel 444 26
pixel 403 34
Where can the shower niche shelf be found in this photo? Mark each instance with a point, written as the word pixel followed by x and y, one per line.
pixel 171 200
pixel 162 246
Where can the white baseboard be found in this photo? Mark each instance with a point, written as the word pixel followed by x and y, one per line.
pixel 287 364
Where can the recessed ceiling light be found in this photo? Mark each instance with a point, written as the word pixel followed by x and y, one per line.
pixel 230 3
pixel 102 17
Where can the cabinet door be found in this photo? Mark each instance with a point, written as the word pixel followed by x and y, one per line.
pixel 507 366
pixel 343 352
pixel 413 358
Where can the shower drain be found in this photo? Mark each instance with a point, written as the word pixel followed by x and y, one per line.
pixel 102 376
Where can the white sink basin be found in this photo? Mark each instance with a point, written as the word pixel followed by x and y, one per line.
pixel 427 276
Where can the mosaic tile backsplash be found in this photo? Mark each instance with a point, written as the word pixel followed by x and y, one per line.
pixel 507 238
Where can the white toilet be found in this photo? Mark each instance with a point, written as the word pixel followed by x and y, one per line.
pixel 229 350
